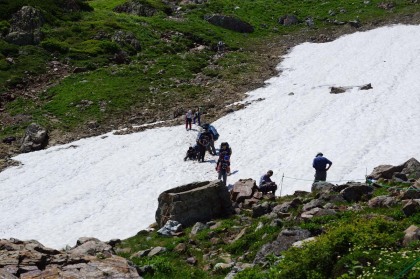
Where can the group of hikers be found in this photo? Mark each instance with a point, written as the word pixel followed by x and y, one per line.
pixel 205 142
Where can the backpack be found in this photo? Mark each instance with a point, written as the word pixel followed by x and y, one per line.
pixel 214 132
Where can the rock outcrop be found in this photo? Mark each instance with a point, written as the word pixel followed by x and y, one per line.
pixel 36 138
pixel 231 23
pixel 90 258
pixel 135 7
pixel 195 202
pixel 25 27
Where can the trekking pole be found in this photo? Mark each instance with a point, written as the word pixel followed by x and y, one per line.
pixel 281 185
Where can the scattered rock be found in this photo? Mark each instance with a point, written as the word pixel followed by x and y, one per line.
pixel 412 233
pixel 412 207
pixel 170 228
pixel 136 7
pixel 357 192
pixel 192 261
pixel 36 138
pixel 198 227
pixel 321 186
pixel 313 203
pixel 337 90
pixel 366 87
pixel 126 38
pixel 156 251
pixel 259 210
pixel 382 201
pixel 386 5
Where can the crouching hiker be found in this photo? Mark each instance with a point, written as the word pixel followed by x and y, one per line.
pixel 192 153
pixel 266 185
pixel 223 168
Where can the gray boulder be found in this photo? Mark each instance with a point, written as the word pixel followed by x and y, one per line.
pixel 122 37
pixel 25 27
pixel 411 169
pixel 356 192
pixel 230 23
pixel 284 241
pixel 170 228
pixel 321 186
pixel 36 138
pixel 411 193
pixel 198 227
pixel 287 206
pixel 382 201
pixel 312 204
pixel 194 202
pixel 412 233
pixel 91 246
pixel 261 209
pixel 412 207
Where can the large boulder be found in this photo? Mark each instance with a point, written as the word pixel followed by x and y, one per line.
pixel 25 27
pixel 411 169
pixel 411 207
pixel 36 138
pixel 356 192
pixel 284 241
pixel 30 260
pixel 229 22
pixel 136 7
pixel 321 186
pixel 194 202
pixel 243 189
pixel 412 233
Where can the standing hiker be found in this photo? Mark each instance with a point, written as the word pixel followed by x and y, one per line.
pixel 225 150
pixel 320 165
pixel 197 116
pixel 223 168
pixel 188 119
pixel 266 185
pixel 203 141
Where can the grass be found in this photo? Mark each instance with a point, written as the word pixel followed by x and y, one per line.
pixel 160 74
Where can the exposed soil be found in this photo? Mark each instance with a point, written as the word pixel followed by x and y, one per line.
pixel 222 94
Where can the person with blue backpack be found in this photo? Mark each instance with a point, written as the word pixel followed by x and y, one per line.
pixel 215 134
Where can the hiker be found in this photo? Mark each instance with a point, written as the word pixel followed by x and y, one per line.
pixel 188 119
pixel 197 116
pixel 203 141
pixel 320 165
pixel 215 134
pixel 192 153
pixel 266 185
pixel 225 150
pixel 223 168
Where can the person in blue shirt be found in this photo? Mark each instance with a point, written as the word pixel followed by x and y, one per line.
pixel 321 166
pixel 266 185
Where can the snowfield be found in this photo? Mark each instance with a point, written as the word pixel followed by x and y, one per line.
pixel 107 186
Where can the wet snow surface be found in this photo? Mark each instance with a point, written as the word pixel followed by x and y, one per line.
pixel 107 186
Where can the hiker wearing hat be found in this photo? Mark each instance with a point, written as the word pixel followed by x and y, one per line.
pixel 188 119
pixel 321 166
pixel 266 185
pixel 223 168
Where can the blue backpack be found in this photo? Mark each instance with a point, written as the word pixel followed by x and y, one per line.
pixel 214 132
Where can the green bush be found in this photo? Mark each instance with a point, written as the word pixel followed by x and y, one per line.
pixel 8 49
pixel 53 45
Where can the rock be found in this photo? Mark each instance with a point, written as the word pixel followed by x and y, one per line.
pixel 410 194
pixel 192 261
pixel 90 246
pixel 136 7
pixel 222 266
pixel 30 259
pixel 126 38
pixel 284 241
pixel 382 201
pixel 386 5
pixel 412 207
pixel 259 210
pixel 170 228
pixel 356 192
pixel 317 212
pixel 243 189
pixel 299 244
pixel 78 70
pixel 412 233
pixel 156 251
pixel 299 193
pixel 321 187
pixel 230 23
pixel 121 57
pixel 366 86
pixel 36 138
pixel 287 206
pixel 356 24
pixel 288 20
pixel 337 90
pixel 194 202
pixel 25 27
pixel 198 227
pixel 312 204
pixel 411 169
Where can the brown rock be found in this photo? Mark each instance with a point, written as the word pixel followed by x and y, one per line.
pixel 243 189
